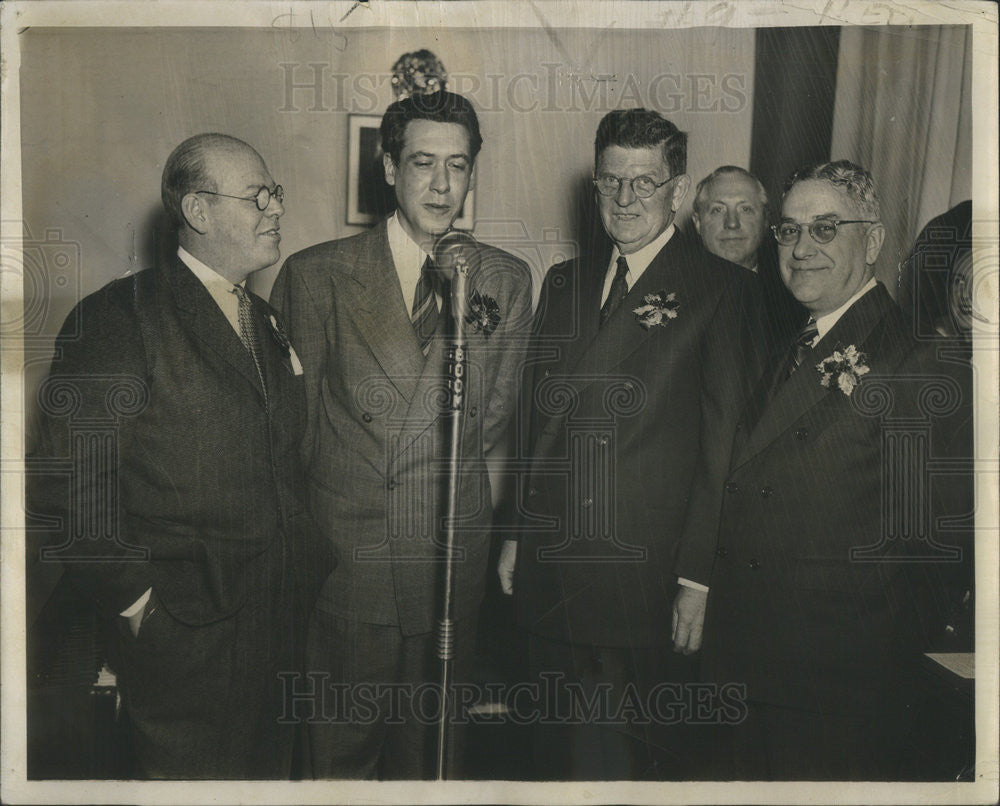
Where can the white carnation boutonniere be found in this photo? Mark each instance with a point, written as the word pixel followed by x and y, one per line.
pixel 656 309
pixel 290 357
pixel 845 368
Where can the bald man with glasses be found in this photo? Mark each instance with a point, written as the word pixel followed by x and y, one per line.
pixel 187 530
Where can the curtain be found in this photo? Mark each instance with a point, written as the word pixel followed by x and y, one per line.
pixel 903 111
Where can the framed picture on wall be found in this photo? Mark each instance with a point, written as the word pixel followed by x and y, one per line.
pixel 369 197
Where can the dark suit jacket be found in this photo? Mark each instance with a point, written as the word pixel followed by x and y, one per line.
pixel 375 442
pixel 795 610
pixel 180 477
pixel 628 439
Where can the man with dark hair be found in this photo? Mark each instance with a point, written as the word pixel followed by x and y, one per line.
pixel 835 533
pixel 370 315
pixel 181 406
pixel 730 217
pixel 638 369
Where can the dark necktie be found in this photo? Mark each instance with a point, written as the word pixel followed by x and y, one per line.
pixel 618 292
pixel 801 346
pixel 248 334
pixel 424 313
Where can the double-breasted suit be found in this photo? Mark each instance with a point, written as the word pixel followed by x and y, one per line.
pixel 183 480
pixel 629 435
pixel 827 576
pixel 377 461
pixel 374 445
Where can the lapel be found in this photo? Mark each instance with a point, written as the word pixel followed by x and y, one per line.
pixel 802 391
pixel 375 303
pixel 200 315
pixel 622 334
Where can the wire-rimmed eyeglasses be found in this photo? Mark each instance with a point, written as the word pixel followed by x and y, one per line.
pixel 822 230
pixel 642 186
pixel 262 198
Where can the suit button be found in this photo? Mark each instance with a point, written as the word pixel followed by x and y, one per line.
pixel 473 411
pixel 721 551
pixel 547 373
pixel 588 502
pixel 754 564
pixel 366 417
pixel 532 491
pixel 766 491
pixel 732 487
pixel 392 484
pixel 602 441
pixel 802 433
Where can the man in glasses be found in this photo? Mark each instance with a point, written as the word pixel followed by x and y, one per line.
pixel 637 375
pixel 827 580
pixel 184 524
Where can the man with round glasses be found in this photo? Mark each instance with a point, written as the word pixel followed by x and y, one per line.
pixel 827 583
pixel 638 372
pixel 185 524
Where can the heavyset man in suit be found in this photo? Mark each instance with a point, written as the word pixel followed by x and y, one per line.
pixel 188 528
pixel 638 370
pixel 828 570
pixel 369 315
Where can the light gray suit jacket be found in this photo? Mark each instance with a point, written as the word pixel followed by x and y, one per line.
pixel 375 445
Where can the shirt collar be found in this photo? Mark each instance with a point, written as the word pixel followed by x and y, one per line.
pixel 639 260
pixel 825 323
pixel 209 277
pixel 406 253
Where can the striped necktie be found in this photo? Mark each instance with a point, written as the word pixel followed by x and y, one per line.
pixel 424 314
pixel 618 292
pixel 801 346
pixel 248 334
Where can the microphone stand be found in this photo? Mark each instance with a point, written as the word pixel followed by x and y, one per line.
pixel 455 373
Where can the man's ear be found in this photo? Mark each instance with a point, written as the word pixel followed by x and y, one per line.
pixel 194 208
pixel 873 242
pixel 472 177
pixel 696 220
pixel 390 169
pixel 681 188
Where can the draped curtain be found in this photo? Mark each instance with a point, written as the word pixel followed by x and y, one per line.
pixel 903 110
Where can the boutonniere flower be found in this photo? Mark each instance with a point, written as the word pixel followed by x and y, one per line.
pixel 845 366
pixel 656 309
pixel 290 357
pixel 484 313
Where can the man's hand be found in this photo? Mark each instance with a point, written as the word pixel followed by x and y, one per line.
pixel 505 566
pixel 689 617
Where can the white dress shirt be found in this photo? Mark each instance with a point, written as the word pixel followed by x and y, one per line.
pixel 638 262
pixel 408 258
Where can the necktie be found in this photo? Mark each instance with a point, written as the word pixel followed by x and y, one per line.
pixel 248 334
pixel 802 345
pixel 424 314
pixel 618 292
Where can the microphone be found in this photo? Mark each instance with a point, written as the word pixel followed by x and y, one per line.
pixel 456 254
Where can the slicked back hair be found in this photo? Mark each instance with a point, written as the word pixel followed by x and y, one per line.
pixel 439 107
pixel 186 170
pixel 855 180
pixel 728 170
pixel 642 128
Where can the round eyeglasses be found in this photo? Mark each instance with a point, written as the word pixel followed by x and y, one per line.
pixel 642 186
pixel 262 198
pixel 822 230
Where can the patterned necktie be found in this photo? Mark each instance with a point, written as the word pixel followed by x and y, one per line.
pixel 424 314
pixel 618 292
pixel 248 334
pixel 801 346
